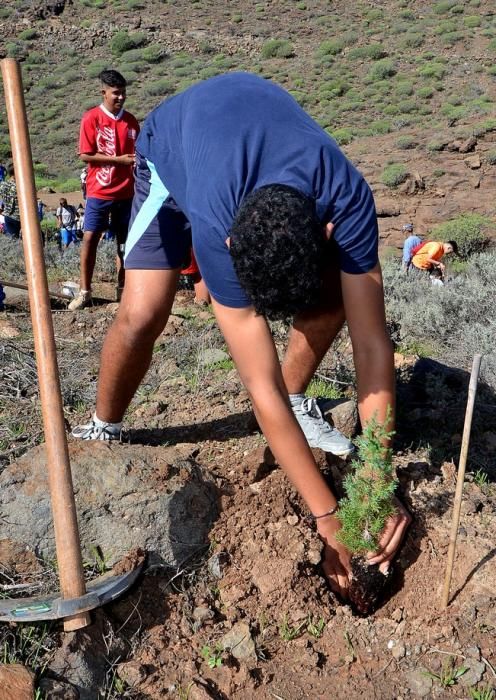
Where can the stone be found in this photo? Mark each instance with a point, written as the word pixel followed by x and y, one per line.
pixel 468 145
pixel 202 614
pixel 344 416
pixel 211 356
pixel 387 207
pixel 476 670
pixel 473 162
pixel 58 690
pixel 16 682
pixel 398 651
pixel 7 329
pixel 419 683
pixel 239 642
pixel 132 672
pixel 127 496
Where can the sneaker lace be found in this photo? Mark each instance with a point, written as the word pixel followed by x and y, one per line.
pixel 94 432
pixel 311 407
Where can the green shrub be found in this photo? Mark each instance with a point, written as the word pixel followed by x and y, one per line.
pixel 330 47
pixel 404 143
pixel 132 55
pixel 379 126
pixel 433 69
pixel 491 157
pixel 122 41
pixel 472 21
pixel 94 68
pixel 436 145
pixel 372 52
pixel 394 174
pixel 153 53
pixel 470 231
pixel 411 41
pixel 16 49
pixel 343 136
pixel 385 68
pixel 277 48
pixel 164 86
pixel 28 34
pixel 446 26
pixel 404 87
pixel 425 93
pixel 441 8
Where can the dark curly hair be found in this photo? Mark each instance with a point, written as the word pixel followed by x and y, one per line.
pixel 278 250
pixel 112 78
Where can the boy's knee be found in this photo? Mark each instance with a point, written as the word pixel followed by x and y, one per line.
pixel 139 324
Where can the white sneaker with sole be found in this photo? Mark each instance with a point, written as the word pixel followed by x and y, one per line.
pixel 97 431
pixel 318 432
pixel 83 299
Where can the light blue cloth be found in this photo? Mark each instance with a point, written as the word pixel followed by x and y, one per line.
pixel 408 246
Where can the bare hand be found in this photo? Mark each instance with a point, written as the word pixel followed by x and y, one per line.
pixel 391 537
pixel 336 562
pixel 126 159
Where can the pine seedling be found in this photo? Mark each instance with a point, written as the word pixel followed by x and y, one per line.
pixel 369 490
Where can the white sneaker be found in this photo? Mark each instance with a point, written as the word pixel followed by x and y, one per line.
pixel 318 432
pixel 83 299
pixel 92 431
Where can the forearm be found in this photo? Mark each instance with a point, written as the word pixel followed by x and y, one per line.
pixel 376 382
pixel 100 159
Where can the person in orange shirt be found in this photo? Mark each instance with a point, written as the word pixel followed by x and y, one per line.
pixel 427 256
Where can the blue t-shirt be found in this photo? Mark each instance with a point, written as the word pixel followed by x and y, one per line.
pixel 221 139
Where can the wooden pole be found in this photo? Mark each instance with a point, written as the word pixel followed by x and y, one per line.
pixel 17 285
pixel 457 504
pixel 67 541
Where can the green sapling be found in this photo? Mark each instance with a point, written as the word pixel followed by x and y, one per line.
pixel 369 490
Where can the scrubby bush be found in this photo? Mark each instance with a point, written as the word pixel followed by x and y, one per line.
pixel 433 69
pixel 277 48
pixel 468 230
pixel 153 53
pixel 164 86
pixel 382 69
pixel 425 93
pixel 406 142
pixel 472 21
pixel 491 157
pixel 122 41
pixel 457 320
pixel 28 34
pixel 330 47
pixel 343 136
pixel 394 174
pixel 372 52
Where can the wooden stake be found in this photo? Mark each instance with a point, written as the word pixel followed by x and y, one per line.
pixel 457 504
pixel 67 542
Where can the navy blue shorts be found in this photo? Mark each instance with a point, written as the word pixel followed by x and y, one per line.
pixel 102 214
pixel 159 234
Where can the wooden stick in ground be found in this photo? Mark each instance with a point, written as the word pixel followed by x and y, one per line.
pixel 17 285
pixel 67 541
pixel 457 504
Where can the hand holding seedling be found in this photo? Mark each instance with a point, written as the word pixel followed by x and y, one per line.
pixel 336 562
pixel 391 537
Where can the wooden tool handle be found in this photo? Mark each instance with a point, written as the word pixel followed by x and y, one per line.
pixel 60 480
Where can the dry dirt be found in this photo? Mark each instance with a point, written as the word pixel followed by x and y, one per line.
pixel 260 584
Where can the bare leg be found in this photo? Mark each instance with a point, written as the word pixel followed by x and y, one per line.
pixel 309 340
pixel 127 351
pixel 202 295
pixel 311 337
pixel 88 258
pixel 119 260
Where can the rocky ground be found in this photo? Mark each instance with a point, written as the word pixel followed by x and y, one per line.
pixel 246 612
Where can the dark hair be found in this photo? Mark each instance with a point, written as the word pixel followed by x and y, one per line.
pixel 278 249
pixel 10 169
pixel 454 245
pixel 112 78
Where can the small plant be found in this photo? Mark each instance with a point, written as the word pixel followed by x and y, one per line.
pixel 288 632
pixel 449 674
pixel 277 48
pixel 481 478
pixel 486 693
pixel 394 174
pixel 369 491
pixel 212 655
pixel 324 389
pixel 315 629
pixel 122 41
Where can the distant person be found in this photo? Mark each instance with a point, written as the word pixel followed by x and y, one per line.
pixel 41 209
pixel 410 243
pixel 8 195
pixel 80 222
pixel 427 256
pixel 83 177
pixel 3 172
pixel 107 139
pixel 66 220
